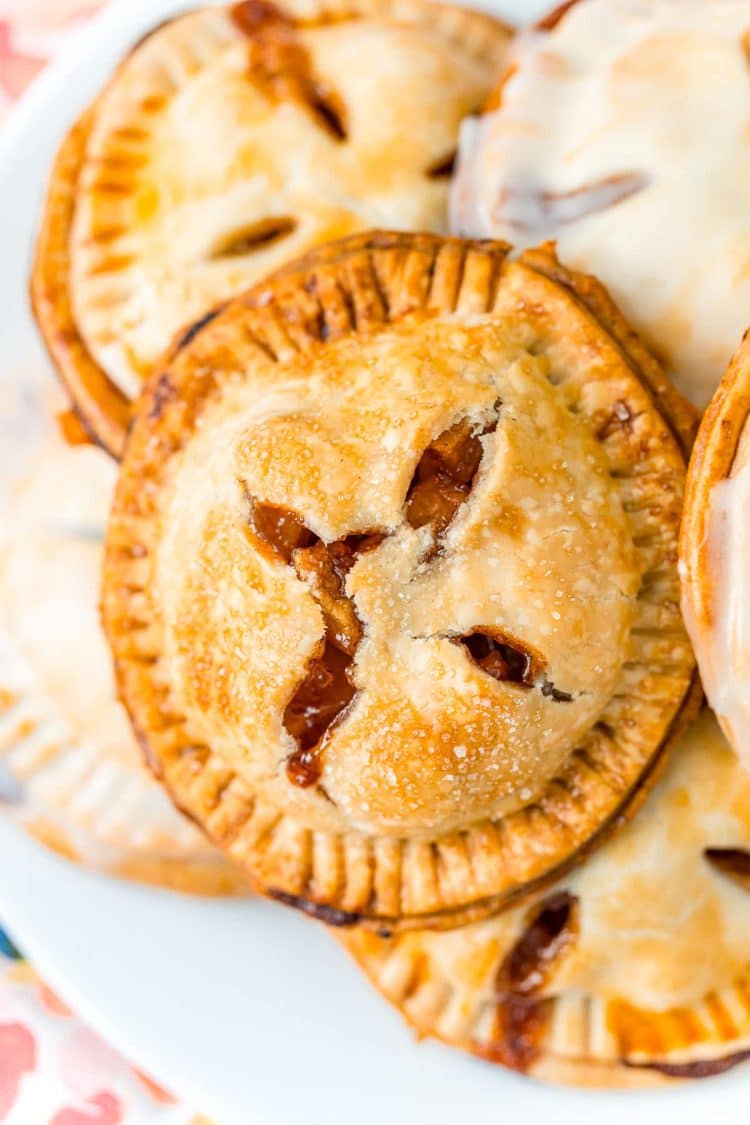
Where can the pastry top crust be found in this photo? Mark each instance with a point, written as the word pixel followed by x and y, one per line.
pixel 642 959
pixel 619 130
pixel 484 497
pixel 230 140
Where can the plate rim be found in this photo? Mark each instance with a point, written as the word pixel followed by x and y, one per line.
pixel 69 82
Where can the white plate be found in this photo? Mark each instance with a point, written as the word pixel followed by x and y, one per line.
pixel 249 1011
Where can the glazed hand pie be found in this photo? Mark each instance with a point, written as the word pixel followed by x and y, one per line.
pixel 715 552
pixel 390 576
pixel 632 970
pixel 231 140
pixel 620 131
pixel 70 770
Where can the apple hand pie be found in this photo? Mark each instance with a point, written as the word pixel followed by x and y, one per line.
pixel 391 578
pixel 71 773
pixel 620 131
pixel 632 970
pixel 715 552
pixel 230 140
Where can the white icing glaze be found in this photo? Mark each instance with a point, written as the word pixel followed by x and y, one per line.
pixel 623 134
pixel 724 650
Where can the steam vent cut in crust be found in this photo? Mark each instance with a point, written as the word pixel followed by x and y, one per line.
pixel 391 577
pixel 715 551
pixel 229 141
pixel 620 130
pixel 631 971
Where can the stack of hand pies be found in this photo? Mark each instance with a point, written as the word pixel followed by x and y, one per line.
pixel 391 575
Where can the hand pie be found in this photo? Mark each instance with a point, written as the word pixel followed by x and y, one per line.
pixel 620 131
pixel 715 552
pixel 228 141
pixel 391 580
pixel 70 770
pixel 633 969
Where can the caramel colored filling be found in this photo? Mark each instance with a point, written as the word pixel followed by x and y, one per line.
pixel 326 689
pixel 620 419
pixel 732 862
pixel 279 64
pixel 508 661
pixel 442 481
pixel 444 476
pixel 550 931
pixel 281 529
pixel 318 701
pixel 501 660
pixel 256 236
pixel 522 1011
pixel 324 567
pixel 443 167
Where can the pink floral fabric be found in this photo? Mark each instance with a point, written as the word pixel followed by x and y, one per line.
pixel 56 1071
pixel 53 1069
pixel 31 33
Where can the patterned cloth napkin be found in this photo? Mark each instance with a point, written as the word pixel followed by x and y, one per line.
pixel 53 1069
pixel 56 1071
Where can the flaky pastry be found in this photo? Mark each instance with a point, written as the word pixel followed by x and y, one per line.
pixel 228 141
pixel 391 579
pixel 633 970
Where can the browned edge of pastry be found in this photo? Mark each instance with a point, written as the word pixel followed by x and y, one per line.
pixel 581 1072
pixel 683 419
pixel 102 407
pixel 713 456
pixel 679 415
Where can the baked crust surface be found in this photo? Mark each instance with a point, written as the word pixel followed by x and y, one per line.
pixel 632 971
pixel 508 676
pixel 229 141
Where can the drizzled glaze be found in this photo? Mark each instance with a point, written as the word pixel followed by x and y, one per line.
pixel 621 132
pixel 725 649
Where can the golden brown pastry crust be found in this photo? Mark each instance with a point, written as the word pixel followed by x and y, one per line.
pixel 652 985
pixel 300 848
pixel 713 456
pixel 94 238
pixel 102 406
